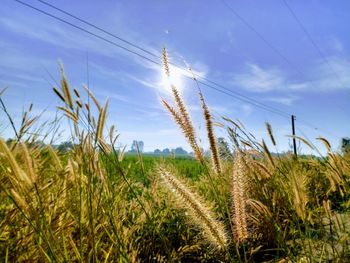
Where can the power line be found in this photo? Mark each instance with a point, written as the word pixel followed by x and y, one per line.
pixel 218 87
pixel 311 40
pixel 271 46
pixel 226 91
pixel 271 110
pixel 86 31
pixel 252 28
pixel 323 57
pixel 98 28
pixel 246 98
pixel 314 147
pixel 317 129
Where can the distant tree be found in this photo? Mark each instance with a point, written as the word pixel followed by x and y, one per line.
pixel 223 148
pixel 157 151
pixel 134 145
pixel 180 151
pixel 166 151
pixel 172 153
pixel 207 153
pixel 141 146
pixel 41 144
pixel 345 145
pixel 65 146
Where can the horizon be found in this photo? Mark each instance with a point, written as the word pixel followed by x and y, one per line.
pixel 302 72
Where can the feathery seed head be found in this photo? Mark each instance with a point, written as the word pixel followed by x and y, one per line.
pixel 268 153
pixel 269 130
pixel 238 193
pixel 212 141
pixel 66 91
pixel 21 203
pixel 166 62
pixel 213 230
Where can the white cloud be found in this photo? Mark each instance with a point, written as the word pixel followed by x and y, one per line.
pixel 336 44
pixel 24 77
pixel 215 110
pixel 258 79
pixel 285 100
pixel 13 59
pixel 63 36
pixel 332 76
pixel 326 77
pixel 107 71
pixel 46 32
pixel 323 77
pixel 247 109
pixel 146 82
pixel 111 95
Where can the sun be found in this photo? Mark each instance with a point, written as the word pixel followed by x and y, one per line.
pixel 175 79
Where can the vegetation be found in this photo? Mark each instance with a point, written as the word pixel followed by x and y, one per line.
pixel 91 202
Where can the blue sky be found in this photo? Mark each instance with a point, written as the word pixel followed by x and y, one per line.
pixel 206 35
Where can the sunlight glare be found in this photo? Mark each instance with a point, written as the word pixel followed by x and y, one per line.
pixel 175 78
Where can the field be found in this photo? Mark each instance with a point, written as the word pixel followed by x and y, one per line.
pixel 94 203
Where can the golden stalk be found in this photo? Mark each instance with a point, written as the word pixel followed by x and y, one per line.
pixel 66 92
pixel 29 163
pixel 186 131
pixel 181 116
pixel 101 121
pixel 20 177
pixel 212 141
pixel 213 230
pixel 326 143
pixel 238 193
pixel 269 130
pixel 268 153
pixel 165 62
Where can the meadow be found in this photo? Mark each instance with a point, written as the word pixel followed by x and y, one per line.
pixel 94 203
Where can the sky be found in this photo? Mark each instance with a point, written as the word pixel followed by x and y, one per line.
pixel 291 55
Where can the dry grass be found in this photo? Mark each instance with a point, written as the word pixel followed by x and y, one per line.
pixel 211 137
pixel 91 204
pixel 214 231
pixel 239 199
pixel 180 114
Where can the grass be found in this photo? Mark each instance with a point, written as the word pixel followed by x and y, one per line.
pixel 95 203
